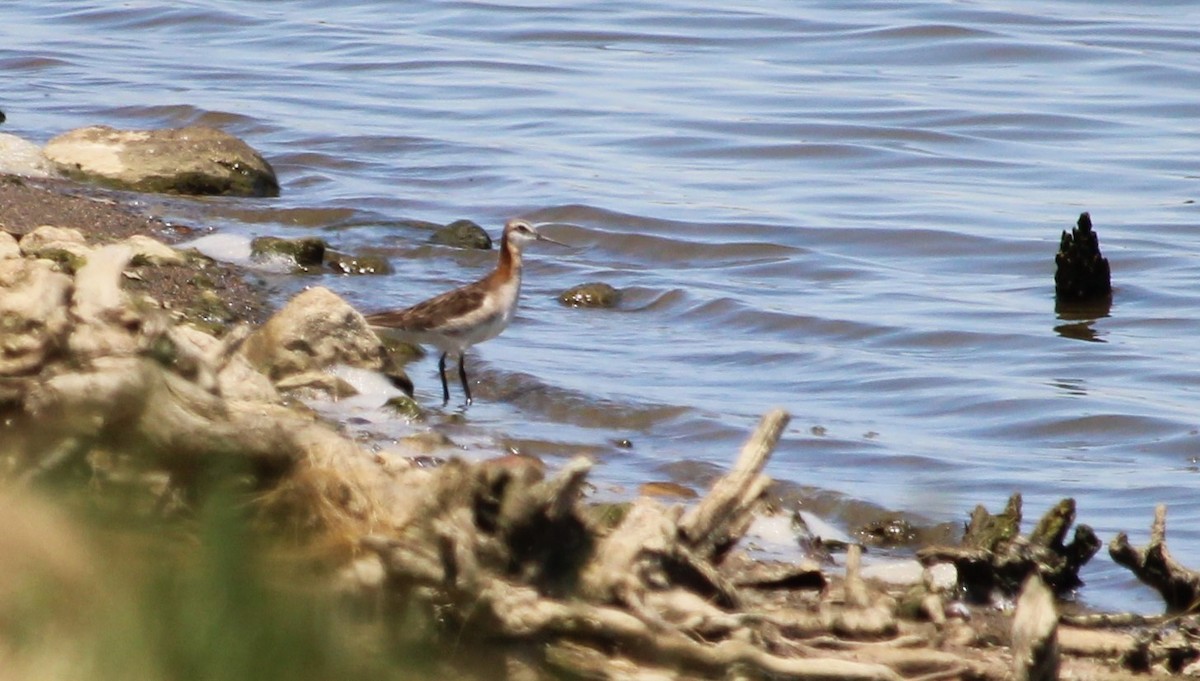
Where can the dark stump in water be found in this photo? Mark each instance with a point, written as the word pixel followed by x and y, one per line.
pixel 1082 275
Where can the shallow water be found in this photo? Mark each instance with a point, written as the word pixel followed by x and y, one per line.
pixel 849 210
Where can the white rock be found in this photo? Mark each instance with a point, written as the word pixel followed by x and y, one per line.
pixel 238 380
pixel 906 572
pixel 22 157
pixel 153 252
pixel 47 238
pixel 233 248
pixel 315 331
pixel 8 246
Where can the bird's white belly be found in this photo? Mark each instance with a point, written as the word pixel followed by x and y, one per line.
pixel 483 323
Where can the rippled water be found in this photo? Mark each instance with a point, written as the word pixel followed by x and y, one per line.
pixel 849 210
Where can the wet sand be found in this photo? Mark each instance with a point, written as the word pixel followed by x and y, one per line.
pixel 105 217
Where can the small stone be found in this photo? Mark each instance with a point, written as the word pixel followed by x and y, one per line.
pixel 64 246
pixel 669 490
pixel 404 406
pixel 888 531
pixel 345 263
pixel 9 248
pixel 462 234
pixel 592 294
pixel 49 235
pixel 304 252
pixel 148 251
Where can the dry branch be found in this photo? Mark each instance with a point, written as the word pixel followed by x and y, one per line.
pixel 721 519
pixel 1153 565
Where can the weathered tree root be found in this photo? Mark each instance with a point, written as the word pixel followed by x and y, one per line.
pixel 1035 633
pixel 647 591
pixel 994 557
pixel 1153 565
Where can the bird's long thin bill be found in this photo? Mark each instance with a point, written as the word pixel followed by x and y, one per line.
pixel 542 237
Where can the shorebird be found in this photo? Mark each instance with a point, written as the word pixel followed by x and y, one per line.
pixel 455 320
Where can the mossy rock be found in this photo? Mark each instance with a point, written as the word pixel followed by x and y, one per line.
pixel 889 531
pixel 209 312
pixel 462 234
pixel 305 251
pixel 404 406
pixel 191 160
pixel 592 294
pixel 344 263
pixel 68 261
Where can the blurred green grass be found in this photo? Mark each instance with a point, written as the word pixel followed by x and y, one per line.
pixel 108 593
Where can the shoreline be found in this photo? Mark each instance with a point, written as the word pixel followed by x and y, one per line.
pixel 350 496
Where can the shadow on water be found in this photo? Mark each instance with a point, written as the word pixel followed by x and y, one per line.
pixel 1078 319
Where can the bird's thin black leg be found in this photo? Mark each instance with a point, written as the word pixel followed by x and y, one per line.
pixel 442 373
pixel 462 376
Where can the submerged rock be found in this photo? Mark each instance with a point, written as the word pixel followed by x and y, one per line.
pixel 593 294
pixel 462 234
pixel 404 406
pixel 192 160
pixel 1082 273
pixel 304 252
pixel 345 263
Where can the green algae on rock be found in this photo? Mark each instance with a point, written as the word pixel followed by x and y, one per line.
pixel 593 294
pixel 462 234
pixel 346 263
pixel 404 406
pixel 304 252
pixel 194 160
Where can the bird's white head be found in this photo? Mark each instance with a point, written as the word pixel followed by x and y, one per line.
pixel 518 232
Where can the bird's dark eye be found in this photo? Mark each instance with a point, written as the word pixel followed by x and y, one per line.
pixel 522 228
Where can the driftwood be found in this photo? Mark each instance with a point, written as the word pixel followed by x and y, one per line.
pixel 995 558
pixel 1035 633
pixel 646 593
pixel 1153 564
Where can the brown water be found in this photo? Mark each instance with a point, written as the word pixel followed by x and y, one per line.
pixel 849 210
